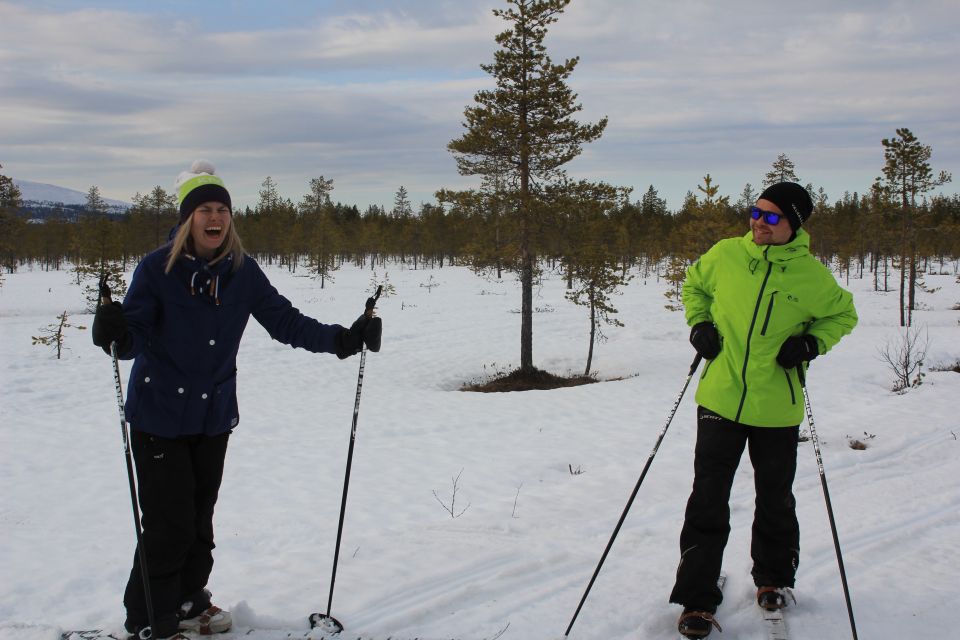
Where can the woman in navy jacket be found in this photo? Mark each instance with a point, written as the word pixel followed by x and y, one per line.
pixel 181 321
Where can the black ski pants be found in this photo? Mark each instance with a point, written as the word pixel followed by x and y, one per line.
pixel 775 546
pixel 178 482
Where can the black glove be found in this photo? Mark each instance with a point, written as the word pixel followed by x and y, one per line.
pixel 797 349
pixel 365 330
pixel 705 339
pixel 109 325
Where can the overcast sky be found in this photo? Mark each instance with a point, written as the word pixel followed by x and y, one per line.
pixel 124 95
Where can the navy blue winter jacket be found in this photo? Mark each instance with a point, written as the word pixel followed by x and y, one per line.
pixel 186 327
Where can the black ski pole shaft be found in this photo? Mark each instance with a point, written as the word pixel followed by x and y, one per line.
pixel 636 489
pixel 346 477
pixel 826 497
pixel 105 298
pixel 316 619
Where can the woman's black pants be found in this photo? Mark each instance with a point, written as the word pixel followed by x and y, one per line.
pixel 178 481
pixel 775 546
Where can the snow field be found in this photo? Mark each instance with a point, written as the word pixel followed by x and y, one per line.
pixel 526 545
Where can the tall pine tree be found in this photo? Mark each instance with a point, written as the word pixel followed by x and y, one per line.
pixel 908 174
pixel 524 129
pixel 782 170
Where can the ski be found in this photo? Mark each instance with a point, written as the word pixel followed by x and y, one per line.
pixel 775 624
pixel 247 633
pixel 773 620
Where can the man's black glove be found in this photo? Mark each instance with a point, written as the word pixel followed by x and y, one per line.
pixel 109 325
pixel 705 339
pixel 365 330
pixel 797 349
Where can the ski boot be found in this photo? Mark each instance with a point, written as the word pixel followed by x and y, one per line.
pixel 202 617
pixel 772 598
pixel 696 624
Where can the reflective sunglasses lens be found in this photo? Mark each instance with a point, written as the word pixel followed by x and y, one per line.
pixel 771 218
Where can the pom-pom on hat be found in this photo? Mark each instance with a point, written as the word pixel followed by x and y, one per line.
pixel 792 199
pixel 198 185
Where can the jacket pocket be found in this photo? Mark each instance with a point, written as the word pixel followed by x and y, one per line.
pixel 160 405
pixel 224 414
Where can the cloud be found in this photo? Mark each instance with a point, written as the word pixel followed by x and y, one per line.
pixel 369 92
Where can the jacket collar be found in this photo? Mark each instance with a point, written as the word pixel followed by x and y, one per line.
pixel 778 253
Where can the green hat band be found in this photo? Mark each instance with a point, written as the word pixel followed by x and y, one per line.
pixel 198 181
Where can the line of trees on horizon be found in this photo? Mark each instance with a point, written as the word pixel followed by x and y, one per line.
pixel 856 234
pixel 527 213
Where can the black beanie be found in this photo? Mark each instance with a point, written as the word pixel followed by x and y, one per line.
pixel 198 185
pixel 792 199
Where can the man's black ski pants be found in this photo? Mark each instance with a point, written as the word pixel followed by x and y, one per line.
pixel 775 546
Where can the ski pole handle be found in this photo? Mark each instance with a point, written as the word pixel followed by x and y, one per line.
pixel 104 288
pixel 372 302
pixel 695 364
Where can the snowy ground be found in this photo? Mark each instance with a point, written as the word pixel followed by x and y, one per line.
pixel 532 532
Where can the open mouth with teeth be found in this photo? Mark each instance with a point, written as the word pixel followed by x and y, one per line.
pixel 213 232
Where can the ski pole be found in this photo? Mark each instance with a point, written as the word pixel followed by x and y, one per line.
pixel 329 623
pixel 826 497
pixel 636 489
pixel 145 634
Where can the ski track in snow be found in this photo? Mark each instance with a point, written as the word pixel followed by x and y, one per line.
pixel 532 532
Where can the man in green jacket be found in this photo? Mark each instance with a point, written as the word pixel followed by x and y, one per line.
pixel 760 306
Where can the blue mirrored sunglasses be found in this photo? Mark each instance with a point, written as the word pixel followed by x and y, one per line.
pixel 771 218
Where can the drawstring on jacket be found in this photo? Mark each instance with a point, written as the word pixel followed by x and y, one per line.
pixel 214 290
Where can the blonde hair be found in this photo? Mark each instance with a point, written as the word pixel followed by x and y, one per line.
pixel 182 243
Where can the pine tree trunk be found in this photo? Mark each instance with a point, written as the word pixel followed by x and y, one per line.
pixel 912 297
pixel 526 311
pixel 59 337
pixel 593 334
pixel 903 268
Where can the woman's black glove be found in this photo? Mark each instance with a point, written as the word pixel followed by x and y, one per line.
pixel 705 339
pixel 797 349
pixel 109 325
pixel 365 330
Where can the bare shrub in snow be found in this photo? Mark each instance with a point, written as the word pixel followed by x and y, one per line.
pixel 451 508
pixel 905 358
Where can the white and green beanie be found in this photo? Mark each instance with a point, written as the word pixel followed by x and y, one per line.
pixel 198 185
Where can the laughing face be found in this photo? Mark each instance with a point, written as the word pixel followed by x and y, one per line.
pixel 211 221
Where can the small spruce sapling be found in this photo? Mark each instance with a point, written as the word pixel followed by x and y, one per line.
pixel 388 289
pixel 429 285
pixel 53 334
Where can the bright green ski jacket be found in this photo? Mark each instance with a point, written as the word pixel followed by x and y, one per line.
pixel 758 296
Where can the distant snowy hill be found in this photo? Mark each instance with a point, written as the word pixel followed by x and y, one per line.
pixel 40 192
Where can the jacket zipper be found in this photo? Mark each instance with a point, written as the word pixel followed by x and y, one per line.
pixel 746 355
pixel 793 396
pixel 766 321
